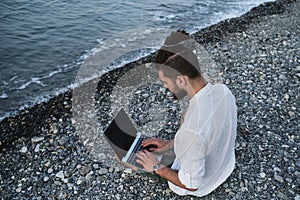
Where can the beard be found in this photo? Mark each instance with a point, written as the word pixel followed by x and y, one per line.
pixel 178 93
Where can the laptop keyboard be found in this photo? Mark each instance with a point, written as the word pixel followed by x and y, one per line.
pixel 132 158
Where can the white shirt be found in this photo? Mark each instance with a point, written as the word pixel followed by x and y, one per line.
pixel 204 144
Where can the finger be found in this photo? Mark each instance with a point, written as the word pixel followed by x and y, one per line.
pixel 146 152
pixel 153 143
pixel 140 155
pixel 153 149
pixel 148 141
pixel 140 162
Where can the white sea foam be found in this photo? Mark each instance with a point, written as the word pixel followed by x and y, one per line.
pixel 3 96
pixel 119 50
pixel 13 78
pixel 33 80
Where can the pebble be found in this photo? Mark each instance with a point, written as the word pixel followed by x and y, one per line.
pixel 128 171
pixel 50 170
pixel 291 114
pixel 70 186
pixel 96 166
pixel 60 174
pixel 40 182
pixel 63 141
pixel 289 180
pixel 58 183
pixel 297 173
pixel 262 175
pixel 37 148
pixel 19 189
pixel 84 170
pixel 102 171
pixel 276 169
pixel 24 150
pixel 79 181
pixel 37 139
pixel 278 178
pixel 297 163
pixel 46 178
pixel 280 195
pixel 51 141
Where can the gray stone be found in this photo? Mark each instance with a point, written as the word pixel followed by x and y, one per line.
pixel 68 174
pixel 37 148
pixel 84 170
pixel 58 183
pixel 111 169
pixel 96 166
pixel 50 170
pixel 70 186
pixel 63 141
pixel 40 182
pixel 46 178
pixel 297 163
pixel 280 195
pixel 277 169
pixel 283 77
pixel 24 150
pixel 60 174
pixel 102 171
pixel 19 189
pixel 291 114
pixel 289 180
pixel 262 175
pixel 80 180
pixel 65 180
pixel 37 139
pixel 278 178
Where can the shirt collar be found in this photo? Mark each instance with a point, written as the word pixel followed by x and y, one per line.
pixel 201 92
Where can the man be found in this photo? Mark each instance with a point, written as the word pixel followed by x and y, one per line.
pixel 204 144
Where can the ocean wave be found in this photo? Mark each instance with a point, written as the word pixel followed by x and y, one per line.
pixel 33 80
pixel 3 96
pixel 119 50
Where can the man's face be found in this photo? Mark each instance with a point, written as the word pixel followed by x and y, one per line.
pixel 177 92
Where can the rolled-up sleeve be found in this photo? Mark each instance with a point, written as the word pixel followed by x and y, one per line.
pixel 190 149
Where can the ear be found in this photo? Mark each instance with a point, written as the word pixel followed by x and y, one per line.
pixel 180 81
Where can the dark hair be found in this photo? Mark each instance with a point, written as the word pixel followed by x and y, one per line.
pixel 175 59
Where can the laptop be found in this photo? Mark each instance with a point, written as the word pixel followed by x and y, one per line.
pixel 124 139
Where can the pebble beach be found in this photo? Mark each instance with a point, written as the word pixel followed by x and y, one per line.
pixel 42 155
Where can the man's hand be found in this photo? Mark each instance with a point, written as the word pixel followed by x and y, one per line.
pixel 147 160
pixel 160 146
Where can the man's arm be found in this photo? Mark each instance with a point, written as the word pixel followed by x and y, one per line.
pixel 172 176
pixel 148 160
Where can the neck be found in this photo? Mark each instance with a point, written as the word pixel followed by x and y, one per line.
pixel 195 86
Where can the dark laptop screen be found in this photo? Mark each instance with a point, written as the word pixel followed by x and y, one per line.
pixel 120 133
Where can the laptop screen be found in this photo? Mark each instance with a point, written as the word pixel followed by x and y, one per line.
pixel 120 133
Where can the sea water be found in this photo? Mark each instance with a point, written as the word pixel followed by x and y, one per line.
pixel 44 43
